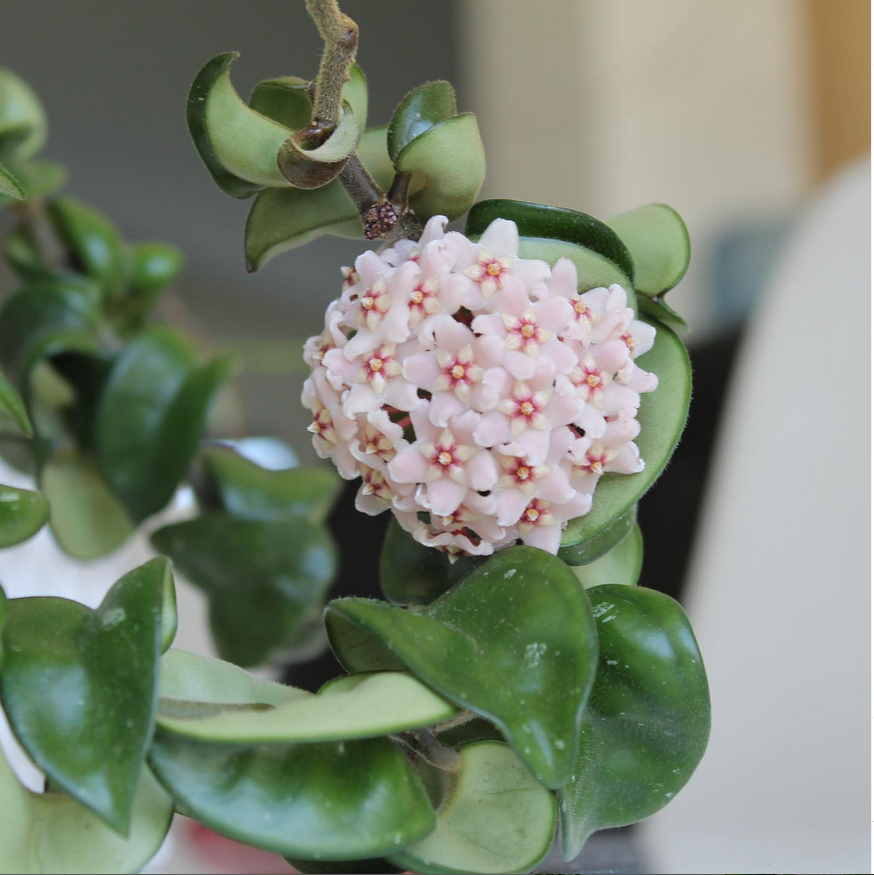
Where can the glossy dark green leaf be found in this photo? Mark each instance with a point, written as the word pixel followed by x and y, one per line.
pixel 648 718
pixel 662 416
pixel 658 241
pixel 525 616
pixel 247 490
pixel 79 688
pixel 92 238
pixel 283 219
pixel 354 706
pixel 421 109
pixel 308 165
pixel 44 319
pixel 23 125
pixel 12 408
pixel 87 520
pixel 448 166
pixel 412 574
pixel 261 576
pixel 37 178
pixel 10 186
pixel 493 817
pixel 51 832
pixel 621 565
pixel 22 515
pixel 151 417
pixel 237 144
pixel 588 551
pixel 556 223
pixel 350 800
pixel 656 308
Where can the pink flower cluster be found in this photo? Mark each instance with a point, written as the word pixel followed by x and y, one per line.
pixel 478 395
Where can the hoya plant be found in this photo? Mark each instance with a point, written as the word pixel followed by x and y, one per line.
pixel 507 392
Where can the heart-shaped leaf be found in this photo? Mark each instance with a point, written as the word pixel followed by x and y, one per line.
pixel 283 219
pixel 87 520
pixel 658 241
pixel 656 308
pixel 555 223
pixel 12 407
pixel 354 706
pixel 43 319
pixel 23 125
pixel 22 515
pixel 51 832
pixel 595 548
pixel 248 490
pixel 448 166
pixel 80 687
pixel 262 577
pixel 525 616
pixel 348 800
pixel 662 416
pixel 647 721
pixel 622 565
pixel 93 239
pixel 421 109
pixel 237 144
pixel 10 186
pixel 493 817
pixel 151 416
pixel 413 574
pixel 308 164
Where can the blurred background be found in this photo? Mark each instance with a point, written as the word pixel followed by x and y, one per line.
pixel 752 119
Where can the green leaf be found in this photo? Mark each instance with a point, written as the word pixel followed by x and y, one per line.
pixel 247 490
pixel 448 166
pixel 343 801
pixel 525 616
pixel 3 603
pixel 307 164
pixel 192 678
pixel 421 109
pixel 44 319
pixel 622 565
pixel 262 577
pixel 493 817
pixel 283 219
pixel 10 186
pixel 662 416
pixel 23 126
pixel 12 407
pixel 152 267
pixel 658 241
pixel 151 417
pixel 93 239
pixel 87 520
pixel 79 688
pixel 656 308
pixel 588 551
pixel 648 718
pixel 51 832
pixel 355 706
pixel 556 223
pixel 237 144
pixel 22 515
pixel 413 574
pixel 37 178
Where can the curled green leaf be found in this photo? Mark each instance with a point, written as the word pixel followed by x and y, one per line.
pixel 421 109
pixel 621 565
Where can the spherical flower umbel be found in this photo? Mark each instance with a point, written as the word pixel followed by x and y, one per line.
pixel 480 396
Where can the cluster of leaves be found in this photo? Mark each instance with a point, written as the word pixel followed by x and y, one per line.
pixel 242 147
pixel 107 408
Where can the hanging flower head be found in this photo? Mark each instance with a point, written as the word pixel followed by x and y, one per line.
pixel 480 396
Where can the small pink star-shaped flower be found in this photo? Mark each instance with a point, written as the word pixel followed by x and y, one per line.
pixel 524 333
pixel 378 368
pixel 590 381
pixel 537 513
pixel 525 409
pixel 459 372
pixel 489 272
pixel 446 457
pixel 350 277
pixel 424 300
pixel 374 302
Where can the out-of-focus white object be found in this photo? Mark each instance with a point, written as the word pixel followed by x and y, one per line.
pixel 779 591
